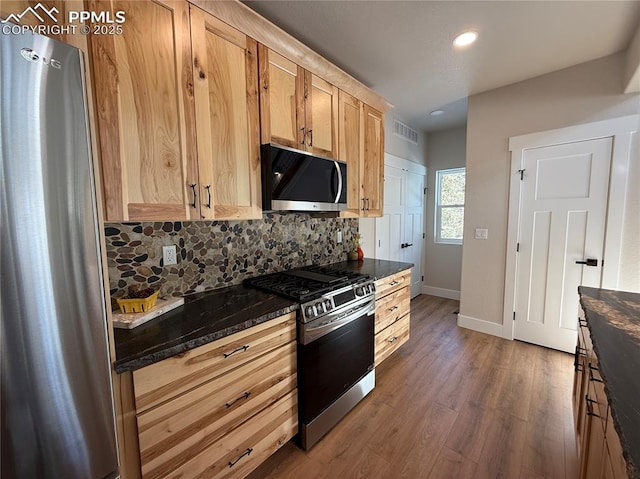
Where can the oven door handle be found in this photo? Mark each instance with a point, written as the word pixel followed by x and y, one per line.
pixel 310 334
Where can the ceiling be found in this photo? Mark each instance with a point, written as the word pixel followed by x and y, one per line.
pixel 403 49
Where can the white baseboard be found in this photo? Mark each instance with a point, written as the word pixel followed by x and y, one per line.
pixel 480 325
pixel 441 292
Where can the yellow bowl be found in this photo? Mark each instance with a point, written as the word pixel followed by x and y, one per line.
pixel 138 305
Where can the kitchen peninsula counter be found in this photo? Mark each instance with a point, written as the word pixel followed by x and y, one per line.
pixel 376 268
pixel 613 318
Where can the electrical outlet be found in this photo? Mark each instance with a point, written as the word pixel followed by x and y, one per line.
pixel 339 236
pixel 169 255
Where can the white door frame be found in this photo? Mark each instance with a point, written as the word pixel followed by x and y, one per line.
pixel 621 129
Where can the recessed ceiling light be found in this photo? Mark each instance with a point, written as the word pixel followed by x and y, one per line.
pixel 465 38
pixel 436 112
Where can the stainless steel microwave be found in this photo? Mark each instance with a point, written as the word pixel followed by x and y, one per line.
pixel 294 180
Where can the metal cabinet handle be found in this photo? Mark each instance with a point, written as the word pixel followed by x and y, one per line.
pixel 208 188
pixel 393 283
pixel 368 204
pixel 303 135
pixel 589 402
pixel 193 187
pixel 591 376
pixel 392 309
pixel 241 348
pixel 393 340
pixel 244 396
pixel 363 204
pixel 588 262
pixel 245 453
pixel 310 133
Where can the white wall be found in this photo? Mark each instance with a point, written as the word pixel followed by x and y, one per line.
pixel 443 262
pixel 581 94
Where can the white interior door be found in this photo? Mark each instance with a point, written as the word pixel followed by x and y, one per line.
pixel 390 227
pixel 562 221
pixel 414 228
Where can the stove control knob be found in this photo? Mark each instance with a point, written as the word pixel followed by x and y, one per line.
pixel 310 312
pixel 320 307
pixel 359 291
pixel 327 305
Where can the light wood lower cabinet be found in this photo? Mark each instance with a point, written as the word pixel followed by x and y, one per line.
pixel 599 450
pixel 219 410
pixel 393 306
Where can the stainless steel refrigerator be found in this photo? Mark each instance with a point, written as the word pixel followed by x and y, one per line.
pixel 57 412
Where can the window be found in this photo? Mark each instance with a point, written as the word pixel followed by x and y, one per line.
pixel 449 215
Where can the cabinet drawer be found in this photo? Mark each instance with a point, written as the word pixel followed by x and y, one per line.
pixel 392 283
pixel 390 339
pixel 174 432
pixel 166 379
pixel 614 448
pixel 243 449
pixel 392 307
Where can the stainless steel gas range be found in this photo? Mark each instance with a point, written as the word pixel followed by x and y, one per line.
pixel 335 342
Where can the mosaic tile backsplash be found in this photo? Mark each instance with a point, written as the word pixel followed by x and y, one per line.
pixel 215 254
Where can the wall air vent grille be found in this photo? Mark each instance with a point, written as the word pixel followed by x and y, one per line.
pixel 405 131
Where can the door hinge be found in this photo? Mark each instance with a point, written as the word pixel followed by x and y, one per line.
pixel 423 278
pixel 517 247
pixel 514 315
pixel 425 191
pixel 521 174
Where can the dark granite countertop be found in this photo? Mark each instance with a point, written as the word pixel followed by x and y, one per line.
pixel 203 318
pixel 215 314
pixel 613 318
pixel 376 268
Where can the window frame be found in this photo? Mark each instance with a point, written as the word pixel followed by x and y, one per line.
pixel 437 219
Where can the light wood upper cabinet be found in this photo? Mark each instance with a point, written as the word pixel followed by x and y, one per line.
pixel 297 108
pixel 373 163
pixel 281 81
pixel 144 107
pixel 225 72
pixel 351 149
pixel 321 116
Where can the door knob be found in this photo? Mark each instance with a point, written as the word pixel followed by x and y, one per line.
pixel 588 262
pixel 403 245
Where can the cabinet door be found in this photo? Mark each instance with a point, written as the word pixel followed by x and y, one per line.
pixel 281 100
pixel 321 116
pixel 225 71
pixel 351 149
pixel 144 106
pixel 373 162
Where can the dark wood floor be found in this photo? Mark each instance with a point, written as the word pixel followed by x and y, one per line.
pixel 451 403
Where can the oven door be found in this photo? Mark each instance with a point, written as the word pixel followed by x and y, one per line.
pixel 331 363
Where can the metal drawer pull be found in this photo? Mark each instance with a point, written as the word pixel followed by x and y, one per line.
pixel 392 340
pixel 193 187
pixel 241 348
pixel 591 377
pixel 303 135
pixel 393 283
pixel 310 133
pixel 245 453
pixel 392 309
pixel 244 396
pixel 589 409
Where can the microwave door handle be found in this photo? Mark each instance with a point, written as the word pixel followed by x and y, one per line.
pixel 339 181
